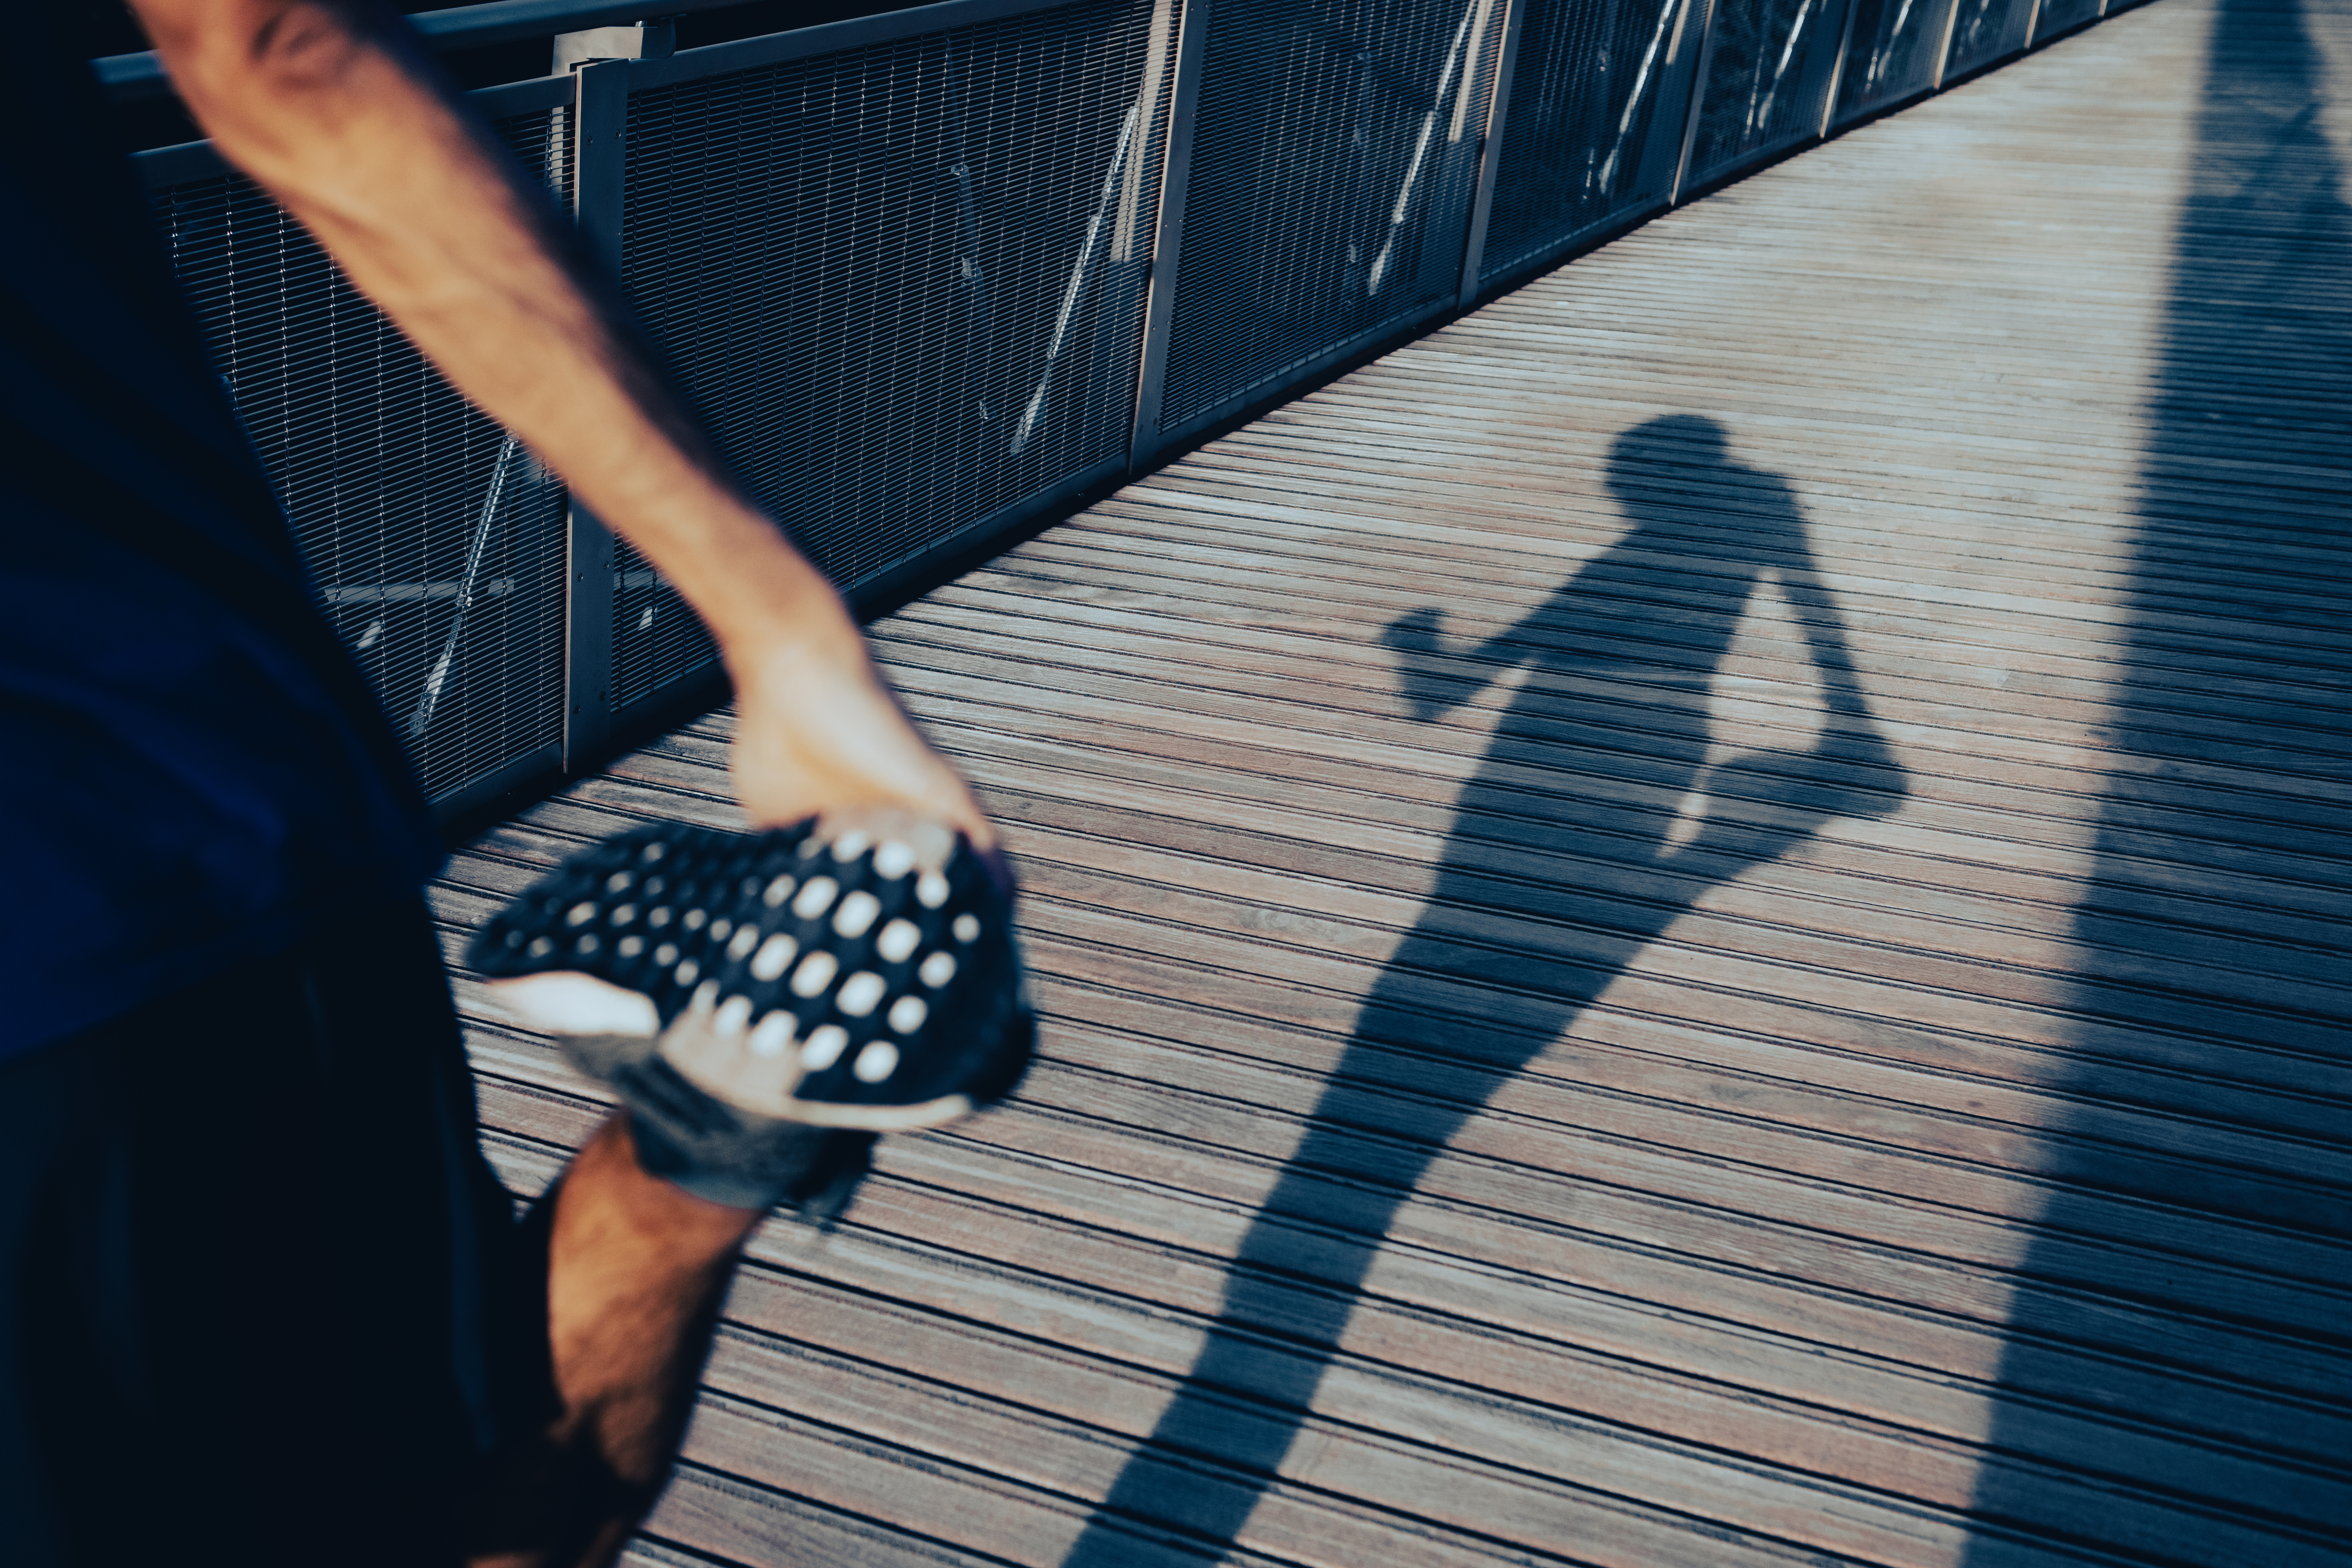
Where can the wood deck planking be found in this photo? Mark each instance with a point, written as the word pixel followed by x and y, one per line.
pixel 1190 873
pixel 1892 599
pixel 1731 1271
pixel 1768 991
pixel 1965 848
pixel 1963 1152
pixel 1591 1332
pixel 1332 598
pixel 1388 827
pixel 1755 713
pixel 2283 1158
pixel 1960 812
pixel 912 1225
pixel 2229 1086
pixel 1586 1331
pixel 1410 499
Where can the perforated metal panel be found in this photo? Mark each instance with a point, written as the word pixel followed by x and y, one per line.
pixel 1333 163
pixel 1587 123
pixel 904 282
pixel 1893 55
pixel 1763 81
pixel 437 544
pixel 1984 31
pixel 2063 15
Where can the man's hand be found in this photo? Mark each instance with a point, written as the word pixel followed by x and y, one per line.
pixel 818 733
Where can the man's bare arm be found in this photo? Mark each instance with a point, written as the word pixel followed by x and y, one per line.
pixel 333 108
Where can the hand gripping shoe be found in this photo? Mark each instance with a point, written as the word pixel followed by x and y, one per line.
pixel 863 978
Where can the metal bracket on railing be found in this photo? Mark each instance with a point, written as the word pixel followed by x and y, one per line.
pixel 1815 70
pixel 655 40
pixel 436 680
pixel 599 131
pixel 1034 410
pixel 1825 62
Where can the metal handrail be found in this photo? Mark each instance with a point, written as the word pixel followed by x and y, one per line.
pixel 133 77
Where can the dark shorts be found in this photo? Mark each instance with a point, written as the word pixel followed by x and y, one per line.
pixel 261 1299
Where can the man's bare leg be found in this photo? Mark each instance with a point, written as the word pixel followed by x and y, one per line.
pixel 637 1269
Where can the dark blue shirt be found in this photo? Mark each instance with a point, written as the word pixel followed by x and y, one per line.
pixel 191 768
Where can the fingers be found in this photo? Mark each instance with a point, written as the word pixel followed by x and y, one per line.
pixel 1416 631
pixel 782 779
pixel 828 739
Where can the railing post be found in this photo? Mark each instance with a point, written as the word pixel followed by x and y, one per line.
pixel 1700 58
pixel 1168 239
pixel 1944 49
pixel 1837 72
pixel 600 117
pixel 1490 150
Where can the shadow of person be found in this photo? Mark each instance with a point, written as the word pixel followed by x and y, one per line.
pixel 1578 831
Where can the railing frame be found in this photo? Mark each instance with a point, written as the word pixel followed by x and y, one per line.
pixel 599 131
pixel 1154 440
pixel 1695 99
pixel 1168 232
pixel 1837 72
pixel 595 98
pixel 1490 151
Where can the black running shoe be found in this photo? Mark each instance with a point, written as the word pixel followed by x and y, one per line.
pixel 865 978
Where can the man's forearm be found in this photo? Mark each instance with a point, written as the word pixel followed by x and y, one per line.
pixel 332 108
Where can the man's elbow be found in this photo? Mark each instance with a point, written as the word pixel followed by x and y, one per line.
pixel 240 54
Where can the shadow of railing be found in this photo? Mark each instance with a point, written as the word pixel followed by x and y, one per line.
pixel 2219 887
pixel 1458 1012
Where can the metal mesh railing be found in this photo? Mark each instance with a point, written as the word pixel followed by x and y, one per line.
pixel 1894 52
pixel 906 265
pixel 436 543
pixel 904 282
pixel 1984 31
pixel 1333 160
pixel 1595 123
pixel 1762 79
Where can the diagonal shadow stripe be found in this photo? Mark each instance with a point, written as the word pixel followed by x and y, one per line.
pixel 2244 480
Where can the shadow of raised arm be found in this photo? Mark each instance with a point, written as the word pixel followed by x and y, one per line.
pixel 1849 736
pixel 1432 678
pixel 1761 804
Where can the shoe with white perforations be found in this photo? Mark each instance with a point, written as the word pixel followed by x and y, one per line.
pixel 866 976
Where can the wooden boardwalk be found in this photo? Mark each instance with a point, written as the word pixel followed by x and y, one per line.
pixel 1700 920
